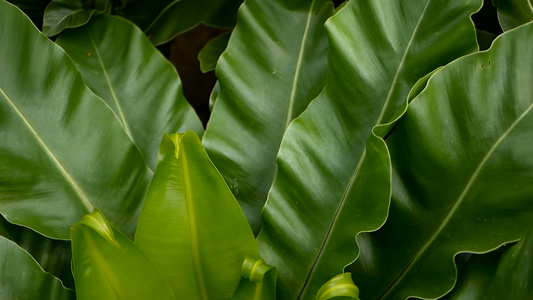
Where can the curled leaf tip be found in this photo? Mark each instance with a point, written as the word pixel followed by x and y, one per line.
pixel 339 286
pixel 254 269
pixel 98 222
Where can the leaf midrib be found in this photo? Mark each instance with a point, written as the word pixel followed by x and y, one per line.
pixel 68 177
pixel 459 201
pixel 294 87
pixel 363 155
pixel 121 116
pixel 193 230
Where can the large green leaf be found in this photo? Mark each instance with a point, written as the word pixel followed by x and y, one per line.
pixel 513 13
pixel 141 12
pixel 274 65
pixel 503 274
pixel 61 14
pixel 191 226
pixel 21 277
pixel 331 184
pixel 52 255
pixel 180 16
pixel 63 151
pixel 462 173
pixel 107 265
pixel 142 87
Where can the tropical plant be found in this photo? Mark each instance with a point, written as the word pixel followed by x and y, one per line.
pixel 365 149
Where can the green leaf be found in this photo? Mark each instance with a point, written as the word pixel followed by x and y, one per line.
pixel 274 65
pixel 513 13
pixel 21 277
pixel 180 16
pixel 63 151
pixel 211 52
pixel 333 178
pixel 339 286
pixel 502 274
pixel 258 281
pixel 107 265
pixel 191 226
pixel 142 87
pixel 142 13
pixel 33 9
pixel 462 172
pixel 61 14
pixel 53 256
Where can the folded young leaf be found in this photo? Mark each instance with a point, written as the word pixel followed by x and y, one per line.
pixel 119 64
pixel 274 65
pixel 191 227
pixel 107 265
pixel 21 277
pixel 63 151
pixel 462 164
pixel 61 14
pixel 333 178
pixel 258 281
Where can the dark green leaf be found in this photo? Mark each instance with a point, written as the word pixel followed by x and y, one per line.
pixel 21 277
pixel 52 255
pixel 333 178
pixel 61 14
pixel 142 87
pixel 462 173
pixel 107 265
pixel 191 226
pixel 274 65
pixel 503 274
pixel 211 52
pixel 180 16
pixel 513 13
pixel 63 151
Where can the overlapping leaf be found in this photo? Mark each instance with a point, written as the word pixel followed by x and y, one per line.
pixel 142 87
pixel 273 67
pixel 21 277
pixel 331 184
pixel 503 274
pixel 63 151
pixel 61 14
pixel 182 15
pixel 191 226
pixel 107 265
pixel 513 13
pixel 462 173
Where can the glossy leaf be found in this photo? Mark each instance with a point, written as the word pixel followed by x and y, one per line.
pixel 274 65
pixel 180 16
pixel 33 9
pixel 107 265
pixel 513 13
pixel 211 52
pixel 53 256
pixel 470 129
pixel 339 286
pixel 503 274
pixel 61 14
pixel 63 151
pixel 333 178
pixel 191 226
pixel 258 281
pixel 21 277
pixel 142 87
